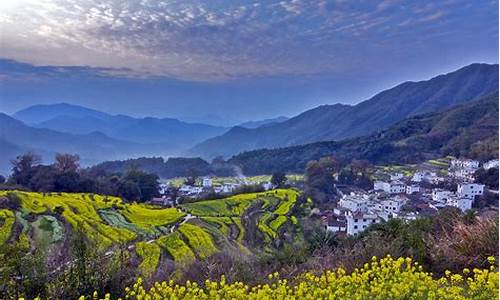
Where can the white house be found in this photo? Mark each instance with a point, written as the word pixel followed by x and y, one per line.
pixel 463 203
pixel 440 195
pixel 394 187
pixel 397 176
pixel 397 187
pixel 357 222
pixel 464 164
pixel 267 186
pixel 424 176
pixel 490 164
pixel 465 174
pixel 336 224
pixel 207 182
pixel 190 190
pixel 394 204
pixel 412 189
pixel 354 202
pixel 470 190
pixel 381 185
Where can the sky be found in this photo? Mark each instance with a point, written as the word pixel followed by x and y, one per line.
pixel 229 61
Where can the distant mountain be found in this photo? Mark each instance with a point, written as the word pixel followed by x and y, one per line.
pixel 265 122
pixel 469 129
pixel 40 113
pixel 171 134
pixel 17 138
pixel 337 122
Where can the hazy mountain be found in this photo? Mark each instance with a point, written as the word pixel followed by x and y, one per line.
pixel 469 129
pixel 172 134
pixel 265 122
pixel 337 122
pixel 41 113
pixel 17 138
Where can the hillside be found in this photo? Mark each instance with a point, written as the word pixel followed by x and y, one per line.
pixel 265 122
pixel 171 134
pixel 470 129
pixel 17 138
pixel 180 235
pixel 337 122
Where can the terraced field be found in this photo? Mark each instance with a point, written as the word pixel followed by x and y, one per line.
pixel 192 231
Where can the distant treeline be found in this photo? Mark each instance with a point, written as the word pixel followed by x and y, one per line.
pixel 172 167
pixel 65 175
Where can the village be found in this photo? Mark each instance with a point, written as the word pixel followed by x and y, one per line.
pixel 172 191
pixel 397 195
pixel 403 195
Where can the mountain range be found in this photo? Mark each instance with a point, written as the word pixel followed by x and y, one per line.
pixel 469 129
pixel 173 135
pixel 97 136
pixel 339 121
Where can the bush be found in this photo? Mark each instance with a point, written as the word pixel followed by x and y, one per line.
pixel 386 278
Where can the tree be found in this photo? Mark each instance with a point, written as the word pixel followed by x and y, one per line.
pixel 43 178
pixel 23 168
pixel 67 162
pixel 191 178
pixel 278 179
pixel 147 184
pixel 359 166
pixel 129 190
pixel 319 178
pixel 67 182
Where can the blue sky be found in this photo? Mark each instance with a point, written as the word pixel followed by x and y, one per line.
pixel 239 60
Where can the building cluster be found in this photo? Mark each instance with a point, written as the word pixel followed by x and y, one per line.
pixel 205 185
pixel 407 197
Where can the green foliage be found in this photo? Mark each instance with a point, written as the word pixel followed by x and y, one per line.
pixel 147 217
pixel 176 247
pixel 80 212
pixel 278 222
pixel 264 227
pixel 150 255
pixel 48 228
pixel 7 219
pixel 198 239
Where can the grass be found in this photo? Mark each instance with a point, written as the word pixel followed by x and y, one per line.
pixel 176 248
pixel 227 207
pixel 278 222
pixel 147 217
pixel 49 229
pixel 241 229
pixel 222 223
pixel 199 240
pixel 289 197
pixel 7 219
pixel 262 225
pixel 115 219
pixel 80 211
pixel 150 255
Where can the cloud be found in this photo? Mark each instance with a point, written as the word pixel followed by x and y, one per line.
pixel 211 40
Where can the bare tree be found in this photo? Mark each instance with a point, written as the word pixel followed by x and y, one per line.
pixel 67 162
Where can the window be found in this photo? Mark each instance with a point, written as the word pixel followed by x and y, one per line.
pixel 364 220
pixel 364 226
pixel 355 226
pixel 373 221
pixel 356 220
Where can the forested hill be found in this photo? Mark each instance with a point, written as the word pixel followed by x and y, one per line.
pixel 470 129
pixel 337 122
